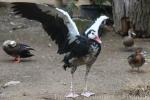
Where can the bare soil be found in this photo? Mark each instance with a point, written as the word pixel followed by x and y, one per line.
pixel 42 76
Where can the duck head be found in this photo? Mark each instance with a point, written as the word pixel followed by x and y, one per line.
pixel 131 33
pixel 9 43
pixel 140 51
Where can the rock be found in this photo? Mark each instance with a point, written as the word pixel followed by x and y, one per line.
pixel 10 31
pixel 49 45
pixel 25 94
pixel 12 23
pixel 64 83
pixel 11 83
pixel 16 16
pixel 18 27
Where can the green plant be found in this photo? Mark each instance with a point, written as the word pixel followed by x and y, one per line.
pixel 71 6
pixel 101 1
pixel 82 24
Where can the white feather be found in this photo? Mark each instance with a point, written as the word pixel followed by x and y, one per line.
pixel 96 24
pixel 9 42
pixel 73 30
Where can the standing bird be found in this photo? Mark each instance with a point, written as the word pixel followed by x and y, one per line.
pixel 128 41
pixel 17 50
pixel 78 49
pixel 137 59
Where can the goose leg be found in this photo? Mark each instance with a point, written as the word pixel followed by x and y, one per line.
pixel 72 93
pixel 85 92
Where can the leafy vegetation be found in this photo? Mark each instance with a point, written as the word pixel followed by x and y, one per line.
pixel 99 2
pixel 71 6
pixel 82 24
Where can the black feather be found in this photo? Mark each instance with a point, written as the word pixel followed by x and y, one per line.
pixel 52 24
pixel 21 50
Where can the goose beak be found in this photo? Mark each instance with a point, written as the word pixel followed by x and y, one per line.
pixel 97 39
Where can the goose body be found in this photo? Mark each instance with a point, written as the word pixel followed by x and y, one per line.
pixel 77 49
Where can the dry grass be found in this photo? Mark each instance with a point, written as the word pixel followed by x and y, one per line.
pixel 137 88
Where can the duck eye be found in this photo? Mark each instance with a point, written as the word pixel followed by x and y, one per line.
pixel 9 45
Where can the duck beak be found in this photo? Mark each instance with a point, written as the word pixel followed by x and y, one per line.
pixel 143 53
pixel 97 39
pixel 133 34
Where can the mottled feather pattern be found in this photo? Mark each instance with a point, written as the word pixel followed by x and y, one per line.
pixel 136 60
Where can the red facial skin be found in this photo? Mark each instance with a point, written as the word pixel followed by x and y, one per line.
pixel 98 39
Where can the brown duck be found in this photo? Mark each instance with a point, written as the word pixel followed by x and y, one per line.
pixel 128 41
pixel 137 59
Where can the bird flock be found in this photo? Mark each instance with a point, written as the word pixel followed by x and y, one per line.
pixel 78 49
pixel 137 59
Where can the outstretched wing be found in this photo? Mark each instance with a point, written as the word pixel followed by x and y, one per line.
pixel 56 22
pixel 96 26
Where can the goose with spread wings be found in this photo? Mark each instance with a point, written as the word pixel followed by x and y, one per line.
pixel 78 49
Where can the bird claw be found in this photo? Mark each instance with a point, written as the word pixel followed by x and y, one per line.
pixel 66 65
pixel 72 95
pixel 87 94
pixel 17 61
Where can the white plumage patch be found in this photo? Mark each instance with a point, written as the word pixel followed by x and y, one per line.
pixel 9 42
pixel 96 25
pixel 73 30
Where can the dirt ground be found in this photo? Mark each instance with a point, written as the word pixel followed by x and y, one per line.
pixel 42 76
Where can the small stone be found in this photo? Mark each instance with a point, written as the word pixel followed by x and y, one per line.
pixel 27 76
pixel 49 45
pixel 18 27
pixel 10 31
pixel 11 83
pixel 64 83
pixel 17 16
pixel 25 94
pixel 12 23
